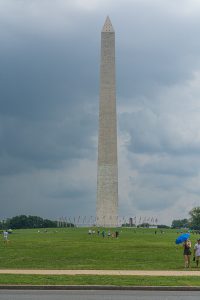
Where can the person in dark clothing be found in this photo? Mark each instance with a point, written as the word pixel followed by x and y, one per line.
pixel 187 252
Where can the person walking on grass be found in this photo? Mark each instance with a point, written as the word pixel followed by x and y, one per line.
pixel 187 252
pixel 197 252
pixel 5 236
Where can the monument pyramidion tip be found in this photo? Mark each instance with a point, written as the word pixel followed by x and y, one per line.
pixel 107 27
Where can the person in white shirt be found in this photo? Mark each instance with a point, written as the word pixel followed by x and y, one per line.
pixel 5 236
pixel 197 252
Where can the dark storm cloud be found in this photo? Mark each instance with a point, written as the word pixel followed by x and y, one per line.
pixel 153 133
pixel 45 144
pixel 157 46
pixel 175 167
pixel 49 85
pixel 151 201
pixel 48 99
pixel 49 57
pixel 42 76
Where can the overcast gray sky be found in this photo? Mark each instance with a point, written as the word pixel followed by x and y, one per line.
pixel 49 85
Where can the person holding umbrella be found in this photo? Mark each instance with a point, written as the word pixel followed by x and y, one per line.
pixel 184 238
pixel 187 252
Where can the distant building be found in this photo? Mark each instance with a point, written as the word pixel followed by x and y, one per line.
pixel 153 226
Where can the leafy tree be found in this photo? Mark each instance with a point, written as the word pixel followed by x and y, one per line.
pixel 180 223
pixel 22 221
pixel 128 225
pixel 195 218
pixel 163 226
pixel 18 222
pixel 49 223
pixel 145 225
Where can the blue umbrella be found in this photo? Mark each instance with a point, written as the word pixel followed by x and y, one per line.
pixel 182 238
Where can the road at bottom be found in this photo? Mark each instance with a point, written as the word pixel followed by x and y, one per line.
pixel 97 295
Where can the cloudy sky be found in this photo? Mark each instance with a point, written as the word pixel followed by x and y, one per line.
pixel 49 85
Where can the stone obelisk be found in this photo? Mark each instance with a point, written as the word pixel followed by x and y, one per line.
pixel 107 177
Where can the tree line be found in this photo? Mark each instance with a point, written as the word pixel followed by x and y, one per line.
pixel 25 222
pixel 193 222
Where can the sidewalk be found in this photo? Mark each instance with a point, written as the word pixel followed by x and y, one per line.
pixel 186 272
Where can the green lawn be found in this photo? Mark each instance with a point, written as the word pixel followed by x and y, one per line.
pixel 69 248
pixel 99 280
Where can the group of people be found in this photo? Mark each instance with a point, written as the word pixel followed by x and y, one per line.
pixel 114 234
pixel 187 252
pixel 104 233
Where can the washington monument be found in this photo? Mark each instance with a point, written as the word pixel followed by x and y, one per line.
pixel 107 175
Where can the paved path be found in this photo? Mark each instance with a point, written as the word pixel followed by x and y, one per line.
pixel 97 295
pixel 101 272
